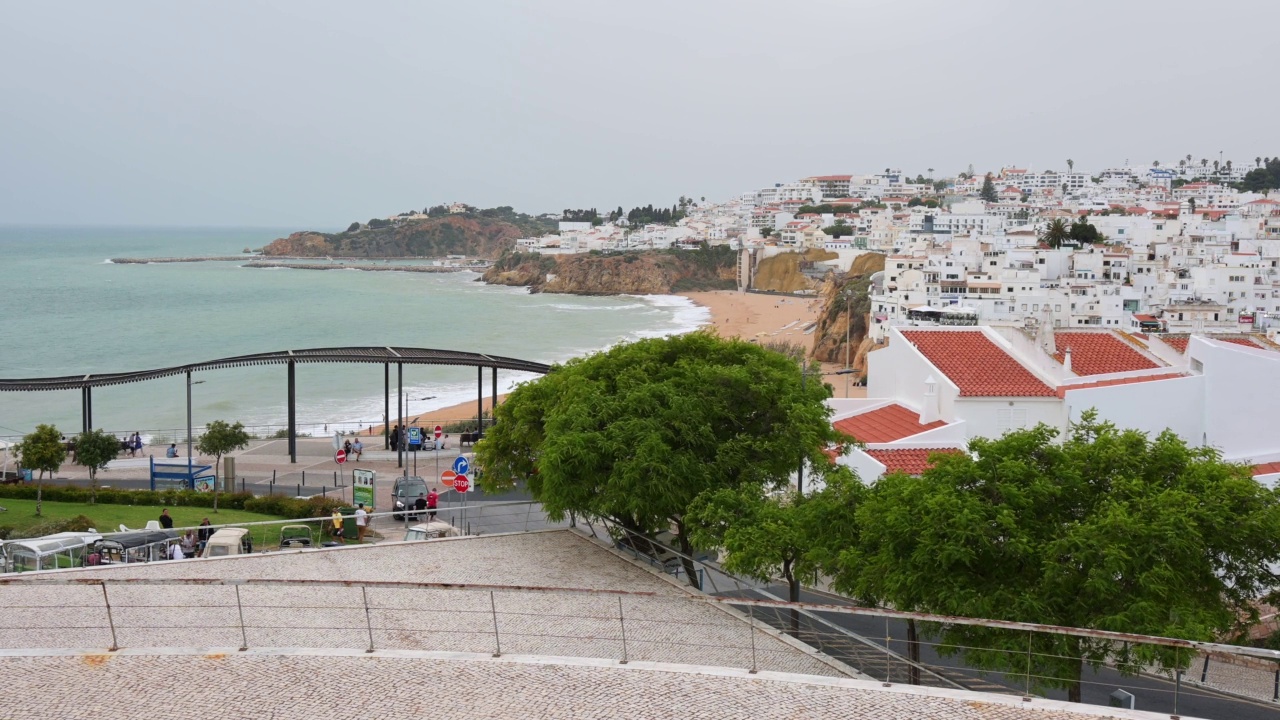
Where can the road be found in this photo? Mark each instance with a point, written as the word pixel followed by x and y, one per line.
pixel 1152 694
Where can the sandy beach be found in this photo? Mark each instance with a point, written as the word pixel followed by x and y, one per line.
pixel 765 318
pixel 750 316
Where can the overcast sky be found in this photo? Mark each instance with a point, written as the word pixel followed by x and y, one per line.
pixel 316 113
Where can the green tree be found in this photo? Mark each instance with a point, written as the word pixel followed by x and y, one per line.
pixel 1056 233
pixel 988 191
pixel 637 432
pixel 218 439
pixel 766 536
pixel 840 229
pixel 42 450
pixel 1071 165
pixel 94 449
pixel 353 227
pixel 1082 231
pixel 1111 529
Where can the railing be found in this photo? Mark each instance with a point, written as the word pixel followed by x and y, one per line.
pixel 875 642
pixel 350 428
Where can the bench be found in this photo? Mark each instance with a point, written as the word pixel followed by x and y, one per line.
pixel 469 438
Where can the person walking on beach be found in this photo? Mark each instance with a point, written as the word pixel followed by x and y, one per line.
pixel 362 522
pixel 166 521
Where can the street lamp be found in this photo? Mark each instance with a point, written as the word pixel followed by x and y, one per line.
pixel 189 461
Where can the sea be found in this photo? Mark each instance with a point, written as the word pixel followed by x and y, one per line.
pixel 66 309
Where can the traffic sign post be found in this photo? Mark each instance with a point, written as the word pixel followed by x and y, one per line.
pixel 448 478
pixel 340 456
pixel 461 466
pixel 439 432
pixel 461 483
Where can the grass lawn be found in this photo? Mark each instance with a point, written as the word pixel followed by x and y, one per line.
pixel 21 514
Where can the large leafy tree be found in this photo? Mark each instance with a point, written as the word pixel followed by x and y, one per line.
pixel 770 535
pixel 1110 529
pixel 94 449
pixel 988 191
pixel 637 432
pixel 42 450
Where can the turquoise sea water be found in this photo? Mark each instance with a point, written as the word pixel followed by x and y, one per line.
pixel 65 310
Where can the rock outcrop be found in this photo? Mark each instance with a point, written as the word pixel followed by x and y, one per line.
pixel 654 272
pixel 784 272
pixel 431 237
pixel 841 314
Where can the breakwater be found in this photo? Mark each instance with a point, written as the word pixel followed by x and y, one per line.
pixel 363 266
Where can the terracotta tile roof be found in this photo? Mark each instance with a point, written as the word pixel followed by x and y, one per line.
pixel 979 367
pixel 912 461
pixel 1264 469
pixel 1237 339
pixel 1099 353
pixel 1062 389
pixel 1177 342
pixel 886 424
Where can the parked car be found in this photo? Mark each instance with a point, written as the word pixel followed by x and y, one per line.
pixel 403 494
pixel 228 541
pixel 432 530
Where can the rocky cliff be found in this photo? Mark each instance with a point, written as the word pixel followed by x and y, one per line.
pixel 846 306
pixel 430 237
pixel 654 272
pixel 784 272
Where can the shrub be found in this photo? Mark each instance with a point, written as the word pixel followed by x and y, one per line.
pixel 79 523
pixel 175 498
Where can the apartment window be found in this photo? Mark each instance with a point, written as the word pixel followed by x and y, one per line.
pixel 1024 306
pixel 1057 308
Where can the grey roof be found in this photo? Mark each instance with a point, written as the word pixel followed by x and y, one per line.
pixel 391 355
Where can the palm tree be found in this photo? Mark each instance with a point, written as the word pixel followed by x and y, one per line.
pixel 1071 165
pixel 1188 158
pixel 1056 233
pixel 1258 161
pixel 1204 162
pixel 1215 167
pixel 1182 163
pixel 930 173
pixel 1228 167
pixel 1155 163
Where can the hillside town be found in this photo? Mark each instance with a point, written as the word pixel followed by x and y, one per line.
pixel 1176 248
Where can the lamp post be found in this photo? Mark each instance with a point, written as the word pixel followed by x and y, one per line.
pixel 190 466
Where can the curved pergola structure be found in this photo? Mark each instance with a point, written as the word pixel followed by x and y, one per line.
pixel 385 356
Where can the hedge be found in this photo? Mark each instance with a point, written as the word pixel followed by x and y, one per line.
pixel 268 505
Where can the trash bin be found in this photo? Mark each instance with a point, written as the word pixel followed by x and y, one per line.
pixel 349 531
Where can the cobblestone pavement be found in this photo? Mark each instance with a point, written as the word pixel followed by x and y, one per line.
pixel 671 626
pixel 388 688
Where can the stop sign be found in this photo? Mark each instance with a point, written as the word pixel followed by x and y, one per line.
pixel 340 456
pixel 439 432
pixel 448 478
pixel 461 483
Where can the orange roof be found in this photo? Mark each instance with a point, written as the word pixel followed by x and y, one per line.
pixel 1234 339
pixel 1263 469
pixel 831 178
pixel 910 461
pixel 979 367
pixel 1177 342
pixel 1062 389
pixel 1099 353
pixel 886 424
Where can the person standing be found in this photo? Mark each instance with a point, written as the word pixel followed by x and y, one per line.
pixel 166 522
pixel 362 522
pixel 337 526
pixel 420 504
pixel 137 443
pixel 203 533
pixel 433 499
pixel 395 438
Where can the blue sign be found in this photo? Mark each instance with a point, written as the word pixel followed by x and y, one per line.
pixel 415 436
pixel 461 466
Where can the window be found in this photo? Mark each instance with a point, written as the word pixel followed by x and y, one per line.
pixel 1010 419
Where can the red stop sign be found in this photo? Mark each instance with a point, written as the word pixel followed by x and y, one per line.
pixel 340 456
pixel 461 483
pixel 439 432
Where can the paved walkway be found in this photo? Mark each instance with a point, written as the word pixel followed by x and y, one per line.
pixel 307 686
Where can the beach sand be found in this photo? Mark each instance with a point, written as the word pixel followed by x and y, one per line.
pixel 750 316
pixel 764 318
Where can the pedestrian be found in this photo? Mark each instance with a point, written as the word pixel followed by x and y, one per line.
pixel 420 504
pixel 337 526
pixel 137 443
pixel 433 498
pixel 203 533
pixel 166 522
pixel 395 438
pixel 346 447
pixel 358 448
pixel 175 552
pixel 362 522
pixel 172 452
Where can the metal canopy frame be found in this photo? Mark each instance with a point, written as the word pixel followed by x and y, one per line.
pixel 386 356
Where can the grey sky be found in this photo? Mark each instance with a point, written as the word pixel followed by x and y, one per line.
pixel 319 113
